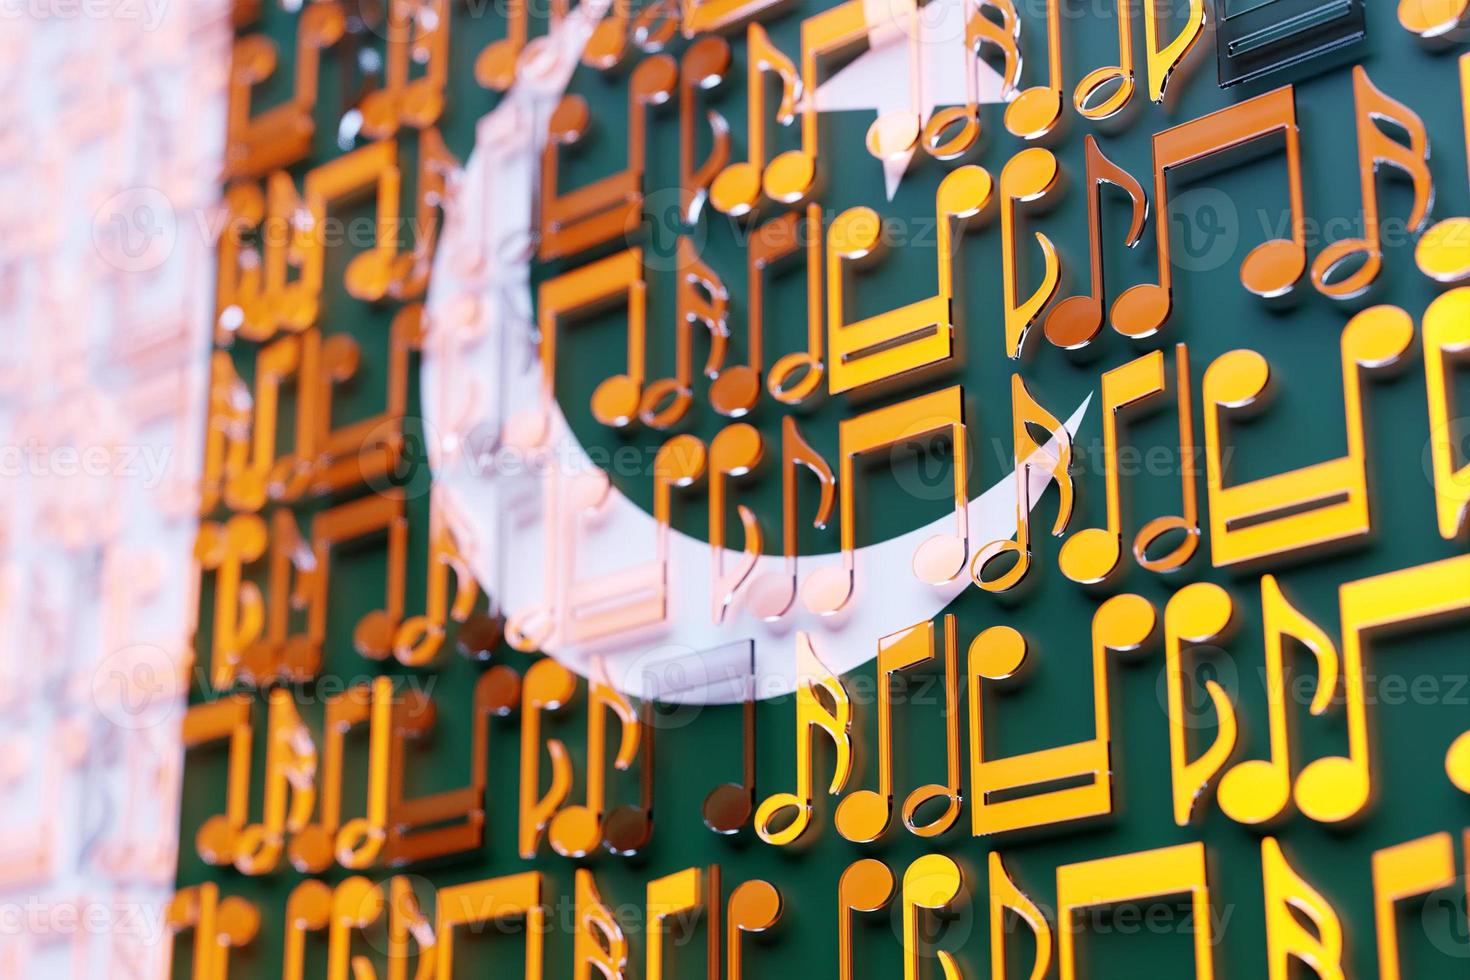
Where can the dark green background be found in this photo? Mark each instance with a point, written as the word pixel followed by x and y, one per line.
pixel 1212 313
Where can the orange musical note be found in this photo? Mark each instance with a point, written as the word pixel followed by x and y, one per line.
pixel 219 925
pixel 954 130
pixel 416 641
pixel 933 881
pixel 1432 20
pixel 1030 457
pixel 1036 110
pixel 910 338
pixel 239 608
pixel 1313 506
pixel 702 67
pixel 729 806
pixel 217 839
pixel 736 451
pixel 496 64
pixel 864 814
pixel 1123 623
pixel 1093 554
pixel 417 33
pixel 937 560
pixel 681 896
pixel 737 189
pixel 1030 175
pixel 1272 268
pixel 1075 321
pixel 493 900
pixel 547 686
pixel 577 830
pixel 754 906
pixel 584 290
pixel 1201 612
pixel 601 944
pixel 574 221
pixel 1006 897
pixel 866 885
pixel 1087 97
pixel 314 845
pixel 1376 148
pixel 290 788
pixel 1443 252
pixel 411 269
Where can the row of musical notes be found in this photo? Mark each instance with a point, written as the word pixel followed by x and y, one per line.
pixel 1301 923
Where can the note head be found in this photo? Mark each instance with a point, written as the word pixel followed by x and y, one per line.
pixel 1346 269
pixel 920 799
pixel 368 275
pixel 940 559
pixel 617 401
pixel 1443 252
pixel 664 404
pixel 1333 790
pixel 311 849
pixel 1254 792
pixel 1034 113
pixel 1074 322
pixel 373 636
pixel 627 830
pixel 863 816
pixel 735 391
pixel 736 190
pixel 771 595
pixel 1091 556
pixel 422 106
pixel 728 808
pixel 998 653
pixel 827 590
pixel 1155 531
pixel 359 843
pixel 575 832
pixel 1272 269
pixel 479 636
pixel 894 134
pixel 1457 763
pixel 790 177
pixel 495 67
pixel 1142 310
pixel 606 45
pixel 796 378
pixel 215 841
pixel 987 557
pixel 301 659
pixel 755 905
pixel 1435 22
pixel 1103 93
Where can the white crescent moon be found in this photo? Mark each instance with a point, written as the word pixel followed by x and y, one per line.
pixel 480 365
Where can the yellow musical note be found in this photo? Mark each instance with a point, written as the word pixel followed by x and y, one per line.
pixel 290 788
pixel 493 900
pixel 308 910
pixel 890 345
pixel 1258 790
pixel 864 815
pixel 1376 148
pixel 1030 175
pixel 1161 873
pixel 937 560
pixel 1035 111
pixel 812 715
pixel 677 895
pixel 1291 903
pixel 953 131
pixel 1092 555
pixel 1030 457
pixel 1446 341
pixel 1198 613
pixel 1271 269
pixel 1315 505
pixel 1407 870
pixel 1164 59
pixel 932 881
pixel 1006 897
pixel 1123 623
pixel 546 687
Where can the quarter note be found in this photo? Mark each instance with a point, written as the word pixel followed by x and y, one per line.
pixel 1093 554
pixel 937 560
pixel 1443 252
pixel 910 338
pixel 1076 320
pixel 1201 612
pixel 1054 461
pixel 1376 148
pixel 547 686
pixel 932 881
pixel 1272 268
pixel 1030 175
pixel 866 885
pixel 755 906
pixel 729 806
pixel 735 451
pixel 864 815
pixel 703 67
pixel 1036 111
